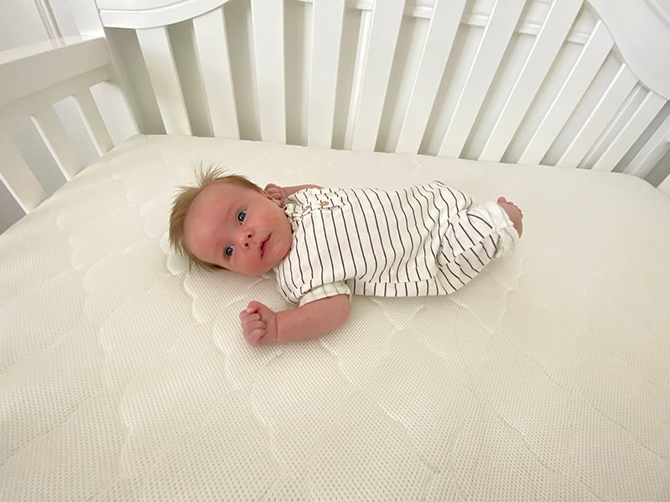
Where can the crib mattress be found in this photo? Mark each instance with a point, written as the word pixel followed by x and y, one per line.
pixel 123 375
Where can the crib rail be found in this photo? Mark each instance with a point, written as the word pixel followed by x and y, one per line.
pixel 518 81
pixel 32 79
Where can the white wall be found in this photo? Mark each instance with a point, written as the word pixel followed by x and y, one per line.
pixel 20 24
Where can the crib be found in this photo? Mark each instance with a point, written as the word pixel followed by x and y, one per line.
pixel 123 371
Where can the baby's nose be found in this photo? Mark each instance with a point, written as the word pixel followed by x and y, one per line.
pixel 246 237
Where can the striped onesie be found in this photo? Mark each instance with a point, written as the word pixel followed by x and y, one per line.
pixel 423 240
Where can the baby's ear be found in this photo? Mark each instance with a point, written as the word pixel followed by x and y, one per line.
pixel 277 203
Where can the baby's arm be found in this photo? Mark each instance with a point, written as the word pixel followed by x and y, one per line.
pixel 262 326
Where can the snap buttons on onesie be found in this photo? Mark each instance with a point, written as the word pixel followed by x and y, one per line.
pixel 314 200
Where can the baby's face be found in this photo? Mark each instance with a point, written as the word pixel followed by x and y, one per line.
pixel 237 228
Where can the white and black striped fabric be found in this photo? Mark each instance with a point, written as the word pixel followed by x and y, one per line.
pixel 422 240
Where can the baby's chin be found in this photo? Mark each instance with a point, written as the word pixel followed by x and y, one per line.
pixel 271 264
pixel 261 270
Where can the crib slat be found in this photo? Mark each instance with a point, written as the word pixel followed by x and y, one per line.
pixel 542 55
pixel 635 126
pixel 214 58
pixel 439 41
pixel 589 62
pixel 630 104
pixel 93 121
pixel 27 105
pixel 268 21
pixel 57 141
pixel 159 59
pixel 497 35
pixel 327 35
pixel 602 114
pixel 386 19
pixel 652 152
pixel 18 178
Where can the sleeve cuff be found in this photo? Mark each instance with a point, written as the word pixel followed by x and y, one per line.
pixel 325 291
pixel 503 225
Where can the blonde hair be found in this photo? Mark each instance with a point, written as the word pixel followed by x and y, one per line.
pixel 185 197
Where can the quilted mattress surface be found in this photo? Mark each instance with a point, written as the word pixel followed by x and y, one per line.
pixel 123 375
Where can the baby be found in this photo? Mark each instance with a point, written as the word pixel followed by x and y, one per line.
pixel 326 244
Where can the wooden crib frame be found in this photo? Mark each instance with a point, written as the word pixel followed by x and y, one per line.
pixel 571 84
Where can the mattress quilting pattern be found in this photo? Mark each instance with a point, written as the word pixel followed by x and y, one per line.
pixel 124 375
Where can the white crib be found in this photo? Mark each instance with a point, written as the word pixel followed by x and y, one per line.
pixel 123 374
pixel 517 82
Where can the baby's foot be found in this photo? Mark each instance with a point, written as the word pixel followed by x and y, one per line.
pixel 513 212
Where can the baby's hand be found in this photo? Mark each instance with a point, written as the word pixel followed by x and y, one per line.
pixel 258 324
pixel 276 192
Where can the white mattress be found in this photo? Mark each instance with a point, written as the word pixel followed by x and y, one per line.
pixel 125 376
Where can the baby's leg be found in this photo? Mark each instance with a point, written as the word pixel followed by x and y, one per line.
pixel 473 238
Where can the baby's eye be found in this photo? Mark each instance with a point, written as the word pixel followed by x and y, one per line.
pixel 241 216
pixel 229 251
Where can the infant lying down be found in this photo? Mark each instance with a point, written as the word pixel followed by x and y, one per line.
pixel 325 244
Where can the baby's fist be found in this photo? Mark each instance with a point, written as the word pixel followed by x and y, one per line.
pixel 259 324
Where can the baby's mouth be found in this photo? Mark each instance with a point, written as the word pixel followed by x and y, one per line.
pixel 263 245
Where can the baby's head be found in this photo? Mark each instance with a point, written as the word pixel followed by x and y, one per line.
pixel 226 221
